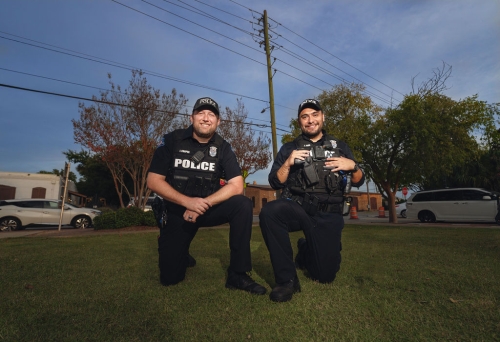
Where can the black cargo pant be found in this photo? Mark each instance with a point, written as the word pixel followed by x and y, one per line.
pixel 176 237
pixel 321 253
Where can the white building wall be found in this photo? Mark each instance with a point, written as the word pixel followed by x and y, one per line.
pixel 25 182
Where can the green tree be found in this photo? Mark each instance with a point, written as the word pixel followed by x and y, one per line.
pixel 424 138
pixel 348 111
pixel 96 181
pixel 71 177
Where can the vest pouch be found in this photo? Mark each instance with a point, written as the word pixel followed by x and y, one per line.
pixel 310 204
pixel 310 175
pixel 332 181
pixel 195 189
pixel 206 187
pixel 180 183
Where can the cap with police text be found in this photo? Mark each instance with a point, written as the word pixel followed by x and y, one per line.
pixel 206 103
pixel 309 103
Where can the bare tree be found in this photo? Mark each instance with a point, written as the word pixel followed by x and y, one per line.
pixel 434 85
pixel 251 149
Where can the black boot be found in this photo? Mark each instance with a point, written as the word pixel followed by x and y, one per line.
pixel 284 292
pixel 242 281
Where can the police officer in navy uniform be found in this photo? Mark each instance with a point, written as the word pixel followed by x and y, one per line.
pixel 186 171
pixel 312 172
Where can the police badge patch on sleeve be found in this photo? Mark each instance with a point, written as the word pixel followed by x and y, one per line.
pixel 213 151
pixel 162 143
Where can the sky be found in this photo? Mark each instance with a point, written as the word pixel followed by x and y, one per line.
pixel 211 48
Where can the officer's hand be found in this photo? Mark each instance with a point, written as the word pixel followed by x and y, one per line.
pixel 190 216
pixel 297 154
pixel 339 164
pixel 198 205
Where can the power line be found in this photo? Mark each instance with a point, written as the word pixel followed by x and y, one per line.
pixel 115 104
pixel 317 66
pixel 190 33
pixel 88 86
pixel 195 10
pixel 352 66
pixel 58 80
pixel 251 10
pixel 206 28
pixel 209 41
pixel 127 67
pixel 304 60
pixel 122 66
pixel 234 15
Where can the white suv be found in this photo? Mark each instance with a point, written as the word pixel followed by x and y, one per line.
pixel 19 213
pixel 459 204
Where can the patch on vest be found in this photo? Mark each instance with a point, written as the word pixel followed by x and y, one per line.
pixel 213 151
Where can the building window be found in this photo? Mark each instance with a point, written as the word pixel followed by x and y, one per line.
pixel 253 201
pixel 264 201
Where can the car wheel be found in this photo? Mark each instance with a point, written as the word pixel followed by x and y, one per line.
pixel 9 224
pixel 426 216
pixel 497 219
pixel 81 222
pixel 403 213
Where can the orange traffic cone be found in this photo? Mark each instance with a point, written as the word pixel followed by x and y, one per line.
pixel 354 213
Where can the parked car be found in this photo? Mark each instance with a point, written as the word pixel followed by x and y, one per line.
pixel 147 206
pixel 459 205
pixel 19 213
pixel 401 209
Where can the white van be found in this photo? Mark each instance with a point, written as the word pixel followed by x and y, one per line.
pixel 460 205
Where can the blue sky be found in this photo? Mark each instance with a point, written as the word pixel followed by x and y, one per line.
pixel 381 43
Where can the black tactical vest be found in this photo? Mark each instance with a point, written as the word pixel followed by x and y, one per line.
pixel 191 176
pixel 331 183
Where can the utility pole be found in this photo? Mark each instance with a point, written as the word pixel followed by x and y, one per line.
pixel 65 192
pixel 270 82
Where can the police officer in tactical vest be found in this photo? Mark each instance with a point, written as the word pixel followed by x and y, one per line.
pixel 314 171
pixel 186 171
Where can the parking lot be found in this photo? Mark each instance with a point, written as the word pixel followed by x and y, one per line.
pixel 364 218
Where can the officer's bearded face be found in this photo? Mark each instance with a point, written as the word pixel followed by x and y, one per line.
pixel 205 122
pixel 311 122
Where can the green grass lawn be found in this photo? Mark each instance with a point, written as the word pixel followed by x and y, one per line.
pixel 395 284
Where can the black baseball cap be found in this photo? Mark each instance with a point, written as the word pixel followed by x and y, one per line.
pixel 309 103
pixel 206 103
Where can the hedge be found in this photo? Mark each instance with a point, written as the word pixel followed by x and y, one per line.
pixel 124 217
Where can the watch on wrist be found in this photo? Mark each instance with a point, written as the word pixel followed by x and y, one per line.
pixel 356 167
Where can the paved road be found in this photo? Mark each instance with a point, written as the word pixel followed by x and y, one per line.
pixel 364 218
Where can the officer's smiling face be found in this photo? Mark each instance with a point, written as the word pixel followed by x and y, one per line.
pixel 205 122
pixel 311 122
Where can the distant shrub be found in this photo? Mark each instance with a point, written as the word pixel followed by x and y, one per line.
pixel 129 217
pixel 124 217
pixel 106 220
pixel 148 219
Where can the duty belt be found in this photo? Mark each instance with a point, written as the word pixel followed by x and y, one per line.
pixel 311 205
